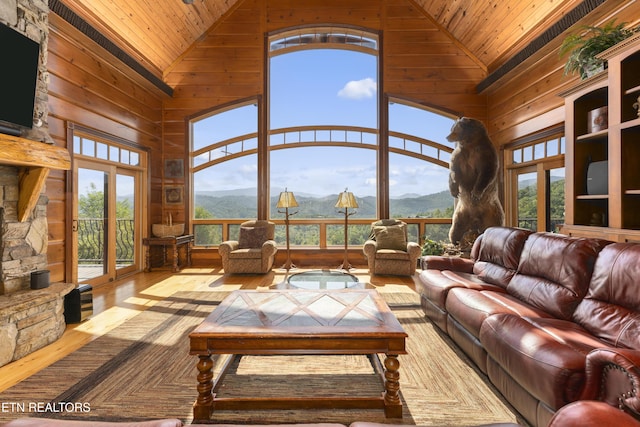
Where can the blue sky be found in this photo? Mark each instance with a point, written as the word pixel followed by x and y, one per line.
pixel 327 87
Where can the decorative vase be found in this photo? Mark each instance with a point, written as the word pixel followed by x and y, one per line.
pixel 598 119
pixel 592 68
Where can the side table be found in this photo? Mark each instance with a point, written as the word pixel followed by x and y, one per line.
pixel 174 243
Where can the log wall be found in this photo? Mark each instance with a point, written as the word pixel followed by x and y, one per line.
pixel 526 100
pixel 88 87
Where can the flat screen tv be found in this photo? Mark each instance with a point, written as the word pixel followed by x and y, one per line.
pixel 18 79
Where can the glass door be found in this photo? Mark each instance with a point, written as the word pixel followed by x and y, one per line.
pixel 540 196
pixel 90 223
pixel 105 222
pixel 527 200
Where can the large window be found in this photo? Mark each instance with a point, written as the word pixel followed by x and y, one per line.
pixel 419 166
pixel 323 129
pixel 322 136
pixel 224 164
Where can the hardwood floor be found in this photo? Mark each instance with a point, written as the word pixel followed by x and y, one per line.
pixel 117 302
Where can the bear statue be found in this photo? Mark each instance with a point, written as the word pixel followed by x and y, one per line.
pixel 473 181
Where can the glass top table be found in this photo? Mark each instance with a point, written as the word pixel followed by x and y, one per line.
pixel 323 279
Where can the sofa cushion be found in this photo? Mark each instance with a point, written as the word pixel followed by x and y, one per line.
pixel 545 356
pixel 591 413
pixel 498 254
pixel 611 308
pixel 470 307
pixel 436 284
pixel 554 272
pixel 390 237
pixel 252 237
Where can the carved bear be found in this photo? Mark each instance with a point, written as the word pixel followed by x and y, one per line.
pixel 473 180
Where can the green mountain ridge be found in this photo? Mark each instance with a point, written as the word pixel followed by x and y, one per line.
pixel 212 205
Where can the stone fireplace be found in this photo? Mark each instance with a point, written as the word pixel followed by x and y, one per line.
pixel 29 319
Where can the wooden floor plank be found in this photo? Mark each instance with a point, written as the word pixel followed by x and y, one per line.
pixel 119 301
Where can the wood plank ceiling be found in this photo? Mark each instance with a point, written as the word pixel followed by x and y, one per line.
pixel 157 33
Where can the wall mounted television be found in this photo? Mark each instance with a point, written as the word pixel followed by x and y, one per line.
pixel 18 79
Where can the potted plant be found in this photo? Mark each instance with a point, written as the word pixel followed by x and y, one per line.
pixel 583 47
pixel 431 247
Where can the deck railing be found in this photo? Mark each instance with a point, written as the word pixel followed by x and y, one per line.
pixel 317 233
pixel 91 240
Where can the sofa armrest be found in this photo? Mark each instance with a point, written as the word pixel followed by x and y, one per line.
pixel 414 250
pixel 453 263
pixel 228 246
pixel 588 413
pixel 269 248
pixel 613 376
pixel 370 247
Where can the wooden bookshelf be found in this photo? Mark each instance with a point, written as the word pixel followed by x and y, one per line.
pixel 613 215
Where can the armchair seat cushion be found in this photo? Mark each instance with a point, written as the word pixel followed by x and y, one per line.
pixel 245 253
pixel 392 254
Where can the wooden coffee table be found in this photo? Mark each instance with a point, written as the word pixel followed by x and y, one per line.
pixel 299 322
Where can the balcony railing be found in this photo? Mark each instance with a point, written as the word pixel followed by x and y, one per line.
pixel 532 223
pixel 91 241
pixel 317 233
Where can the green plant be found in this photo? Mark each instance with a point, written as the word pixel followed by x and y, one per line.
pixel 431 247
pixel 583 47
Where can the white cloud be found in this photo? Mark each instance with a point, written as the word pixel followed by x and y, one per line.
pixel 359 89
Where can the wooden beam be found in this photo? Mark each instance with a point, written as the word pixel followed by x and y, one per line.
pixel 32 182
pixel 35 160
pixel 18 151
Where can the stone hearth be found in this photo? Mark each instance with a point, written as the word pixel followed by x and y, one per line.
pixel 30 320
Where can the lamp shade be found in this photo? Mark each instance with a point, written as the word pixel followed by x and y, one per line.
pixel 287 200
pixel 346 199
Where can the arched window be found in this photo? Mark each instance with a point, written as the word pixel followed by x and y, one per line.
pixel 323 127
pixel 419 155
pixel 224 176
pixel 322 135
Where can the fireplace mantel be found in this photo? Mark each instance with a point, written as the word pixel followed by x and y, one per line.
pixel 35 160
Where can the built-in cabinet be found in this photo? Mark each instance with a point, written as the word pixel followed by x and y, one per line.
pixel 602 130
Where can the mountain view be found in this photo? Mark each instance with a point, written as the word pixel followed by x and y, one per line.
pixel 242 204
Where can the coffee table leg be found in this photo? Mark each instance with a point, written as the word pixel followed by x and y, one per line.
pixel 392 403
pixel 203 406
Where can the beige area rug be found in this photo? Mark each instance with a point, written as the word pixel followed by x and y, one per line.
pixel 142 370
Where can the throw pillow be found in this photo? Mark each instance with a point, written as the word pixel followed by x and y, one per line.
pixel 385 223
pixel 391 237
pixel 252 237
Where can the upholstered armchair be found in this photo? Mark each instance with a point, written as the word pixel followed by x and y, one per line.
pixel 253 252
pixel 388 250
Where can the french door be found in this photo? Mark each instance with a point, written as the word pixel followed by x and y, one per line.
pixel 106 221
pixel 539 194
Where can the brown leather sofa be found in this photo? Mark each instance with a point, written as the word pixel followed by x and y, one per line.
pixel 583 413
pixel 549 319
